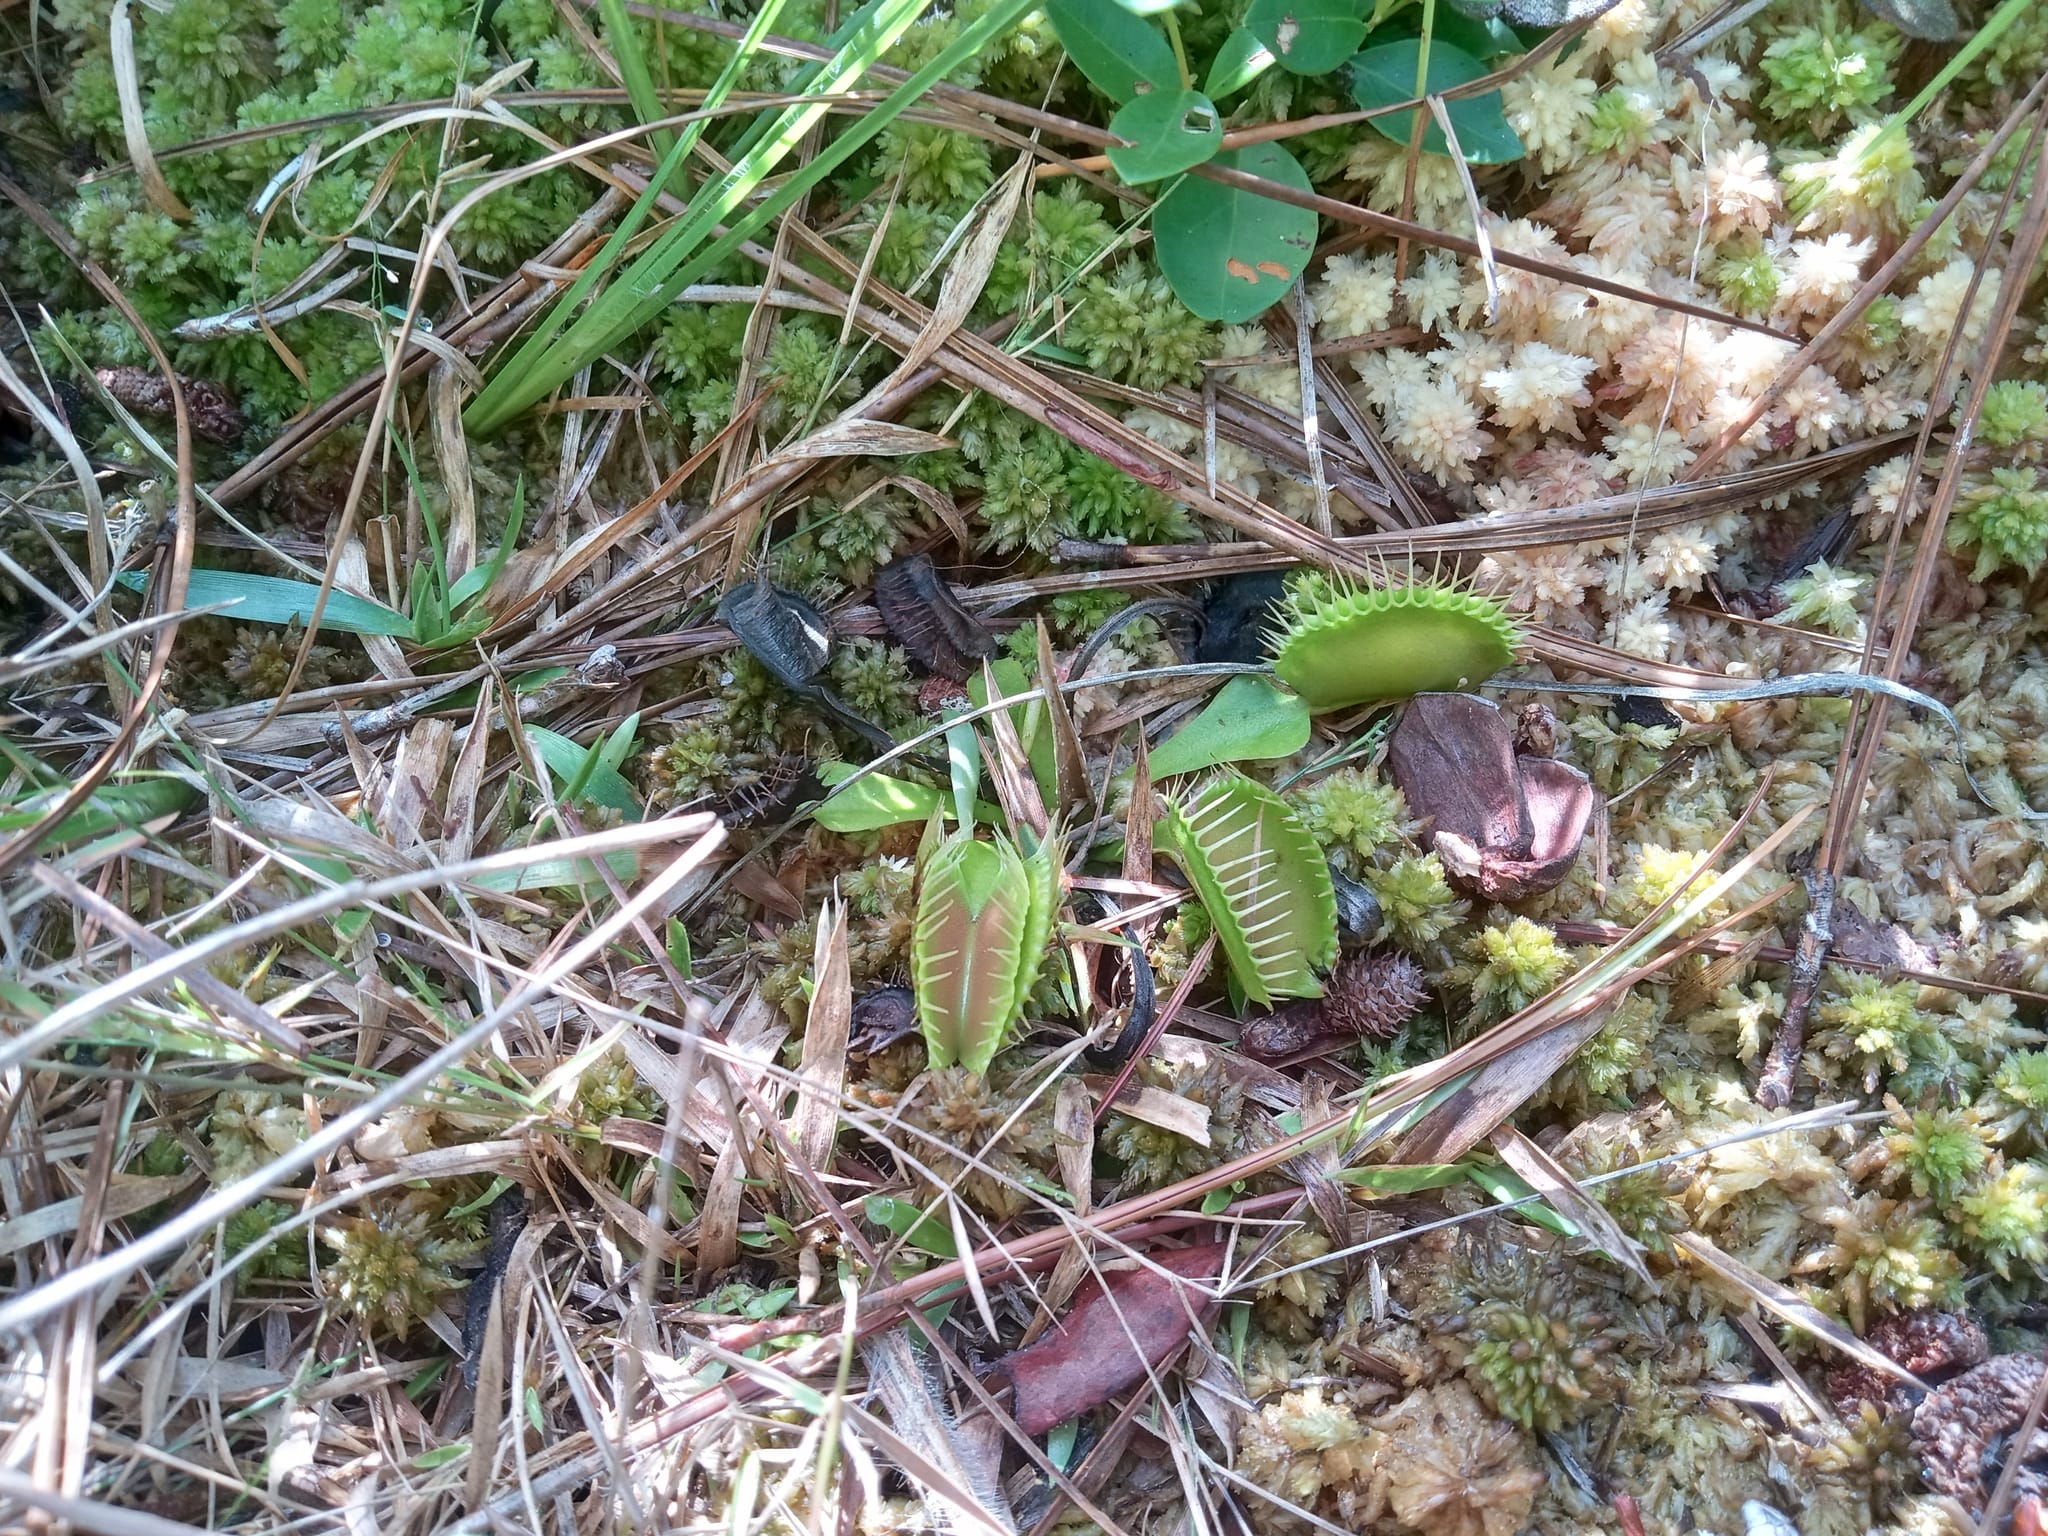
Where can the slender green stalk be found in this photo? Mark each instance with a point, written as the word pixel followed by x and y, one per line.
pixel 1995 26
pixel 681 256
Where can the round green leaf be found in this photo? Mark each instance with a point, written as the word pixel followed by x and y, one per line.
pixel 872 802
pixel 1386 74
pixel 1122 56
pixel 1169 131
pixel 1231 254
pixel 1240 61
pixel 1309 37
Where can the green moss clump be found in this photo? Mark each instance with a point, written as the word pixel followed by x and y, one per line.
pixel 2015 411
pixel 2017 1106
pixel 1353 816
pixel 390 1267
pixel 281 1259
pixel 2005 1219
pixel 1513 964
pixel 1830 69
pixel 2004 517
pixel 1130 327
pixel 1748 281
pixel 1045 255
pixel 1416 900
pixel 1532 1339
pixel 1888 1256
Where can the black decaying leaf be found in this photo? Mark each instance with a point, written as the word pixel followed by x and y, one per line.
pixel 792 640
pixel 1239 612
pixel 785 634
pixel 1358 910
pixel 1933 20
pixel 881 1018
pixel 1138 1022
pixel 1534 13
pixel 921 612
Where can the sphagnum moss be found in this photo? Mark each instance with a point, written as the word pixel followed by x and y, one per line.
pixel 1764 179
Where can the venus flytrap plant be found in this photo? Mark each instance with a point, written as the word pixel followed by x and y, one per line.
pixel 984 914
pixel 1341 645
pixel 1264 882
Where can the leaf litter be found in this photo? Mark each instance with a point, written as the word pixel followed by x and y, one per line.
pixel 793 864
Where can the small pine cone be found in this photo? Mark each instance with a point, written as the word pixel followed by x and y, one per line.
pixel 1932 1345
pixel 215 415
pixel 1962 1430
pixel 1373 993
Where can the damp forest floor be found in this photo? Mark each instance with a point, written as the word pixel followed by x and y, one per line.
pixel 1246 767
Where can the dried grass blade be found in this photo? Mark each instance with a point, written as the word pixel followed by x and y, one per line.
pixel 1070 767
pixel 134 131
pixel 1548 1178
pixel 822 1076
pixel 1789 1305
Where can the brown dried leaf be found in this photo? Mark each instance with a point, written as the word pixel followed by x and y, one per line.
pixel 1548 1178
pixel 822 1077
pixel 1073 1131
pixel 1112 1336
pixel 1497 1090
pixel 1138 819
pixel 1157 1107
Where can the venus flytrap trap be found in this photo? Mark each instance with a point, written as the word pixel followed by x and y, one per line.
pixel 984 915
pixel 1263 881
pixel 1339 645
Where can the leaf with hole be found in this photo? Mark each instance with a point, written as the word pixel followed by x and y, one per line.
pixel 1122 56
pixel 1264 882
pixel 1384 75
pixel 1168 131
pixel 1240 61
pixel 1308 37
pixel 1231 254
pixel 1251 719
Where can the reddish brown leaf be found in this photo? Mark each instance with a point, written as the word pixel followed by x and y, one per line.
pixel 1108 1339
pixel 1453 755
pixel 1505 826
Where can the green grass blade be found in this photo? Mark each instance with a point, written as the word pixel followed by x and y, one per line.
pixel 613 251
pixel 680 258
pixel 279 600
pixel 633 70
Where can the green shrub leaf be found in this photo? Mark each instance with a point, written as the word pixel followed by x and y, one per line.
pixel 1309 37
pixel 1240 61
pixel 1122 56
pixel 1386 74
pixel 1169 132
pixel 1230 254
pixel 583 772
pixel 1250 719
